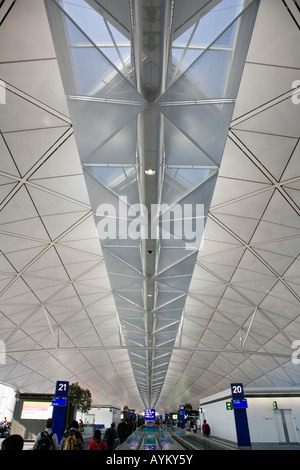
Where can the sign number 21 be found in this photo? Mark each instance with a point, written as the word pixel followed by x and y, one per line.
pixel 62 387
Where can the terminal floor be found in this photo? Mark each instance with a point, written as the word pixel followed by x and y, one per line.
pixel 201 442
pixel 210 443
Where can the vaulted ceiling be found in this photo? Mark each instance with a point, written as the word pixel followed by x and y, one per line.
pixel 94 93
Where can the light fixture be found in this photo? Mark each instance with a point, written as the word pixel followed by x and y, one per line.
pixel 150 172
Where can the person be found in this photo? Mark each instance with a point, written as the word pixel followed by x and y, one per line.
pixel 205 428
pixel 4 430
pixel 110 436
pixel 13 442
pixel 81 425
pixel 122 431
pixel 72 438
pixel 46 440
pixel 129 427
pixel 97 443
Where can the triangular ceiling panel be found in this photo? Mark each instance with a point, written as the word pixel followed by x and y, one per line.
pixel 273 151
pixel 37 117
pixel 178 146
pixel 237 165
pixel 214 117
pixel 27 147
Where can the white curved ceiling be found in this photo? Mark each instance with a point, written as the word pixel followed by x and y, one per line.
pixel 72 308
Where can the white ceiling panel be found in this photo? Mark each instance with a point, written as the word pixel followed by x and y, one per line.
pixel 78 127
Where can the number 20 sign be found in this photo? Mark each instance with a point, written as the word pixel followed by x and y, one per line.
pixel 237 391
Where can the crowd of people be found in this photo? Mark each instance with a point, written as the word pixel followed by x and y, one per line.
pixel 72 438
pixel 4 427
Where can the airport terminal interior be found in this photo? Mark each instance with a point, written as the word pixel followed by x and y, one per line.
pixel 149 197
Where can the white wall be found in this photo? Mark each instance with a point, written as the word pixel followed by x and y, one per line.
pixel 101 415
pixel 7 402
pixel 265 423
pixel 221 421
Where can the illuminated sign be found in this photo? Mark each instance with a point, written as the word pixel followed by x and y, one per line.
pixel 59 401
pixel 36 410
pixel 240 403
pixel 150 414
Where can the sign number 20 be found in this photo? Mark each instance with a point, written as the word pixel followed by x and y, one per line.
pixel 237 389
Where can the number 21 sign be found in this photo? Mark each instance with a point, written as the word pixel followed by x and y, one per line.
pixel 62 388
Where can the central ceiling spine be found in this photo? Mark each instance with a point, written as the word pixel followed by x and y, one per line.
pixel 151 33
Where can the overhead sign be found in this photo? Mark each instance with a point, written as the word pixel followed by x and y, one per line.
pixel 240 404
pixel 150 414
pixel 59 401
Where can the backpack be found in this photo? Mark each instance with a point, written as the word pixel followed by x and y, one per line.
pixel 45 442
pixel 110 437
pixel 206 429
pixel 71 442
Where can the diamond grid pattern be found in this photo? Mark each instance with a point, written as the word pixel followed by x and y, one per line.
pixel 58 312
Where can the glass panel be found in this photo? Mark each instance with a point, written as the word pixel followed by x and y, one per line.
pixel 93 24
pixel 121 181
pixel 179 150
pixel 118 149
pixel 86 71
pixel 96 123
pixel 200 36
pixel 205 125
pixel 93 74
pixel 179 182
pixel 207 77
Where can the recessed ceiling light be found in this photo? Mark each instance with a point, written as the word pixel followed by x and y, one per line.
pixel 150 172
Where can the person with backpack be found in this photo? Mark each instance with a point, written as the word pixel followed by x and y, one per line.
pixel 205 428
pixel 97 443
pixel 46 440
pixel 72 438
pixel 110 436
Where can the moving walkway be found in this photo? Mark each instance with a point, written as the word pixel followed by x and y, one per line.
pixel 150 437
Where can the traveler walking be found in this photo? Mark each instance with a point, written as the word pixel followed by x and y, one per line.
pixel 122 431
pixel 72 438
pixel 110 437
pixel 46 440
pixel 97 443
pixel 205 428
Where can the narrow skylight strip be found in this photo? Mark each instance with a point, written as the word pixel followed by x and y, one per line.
pixel 102 100
pixel 198 102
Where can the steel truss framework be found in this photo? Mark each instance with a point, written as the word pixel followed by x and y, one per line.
pixel 161 90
